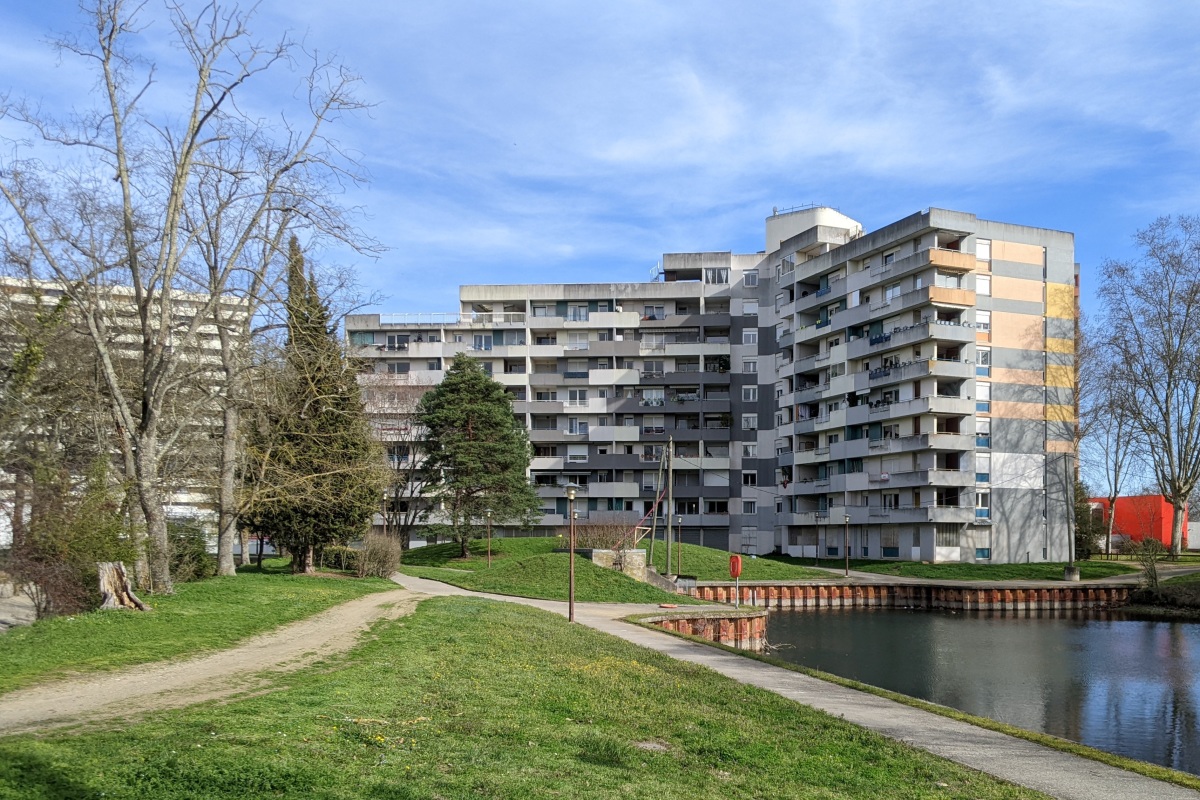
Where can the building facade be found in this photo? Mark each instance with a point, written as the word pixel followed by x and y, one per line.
pixel 906 393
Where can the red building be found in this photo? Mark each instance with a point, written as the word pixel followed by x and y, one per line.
pixel 1141 517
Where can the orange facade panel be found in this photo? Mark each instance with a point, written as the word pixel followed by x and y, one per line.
pixel 1027 377
pixel 1014 410
pixel 1017 289
pixel 952 259
pixel 1020 253
pixel 1020 331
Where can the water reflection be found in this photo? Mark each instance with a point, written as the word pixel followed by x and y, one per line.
pixel 1117 683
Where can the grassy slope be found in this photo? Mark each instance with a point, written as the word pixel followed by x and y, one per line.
pixel 1089 570
pixel 206 615
pixel 468 698
pixel 706 563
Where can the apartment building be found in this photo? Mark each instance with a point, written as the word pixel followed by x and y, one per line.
pixel 906 392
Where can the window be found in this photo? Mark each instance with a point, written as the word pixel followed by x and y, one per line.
pixel 750 277
pixel 749 394
pixel 983 432
pixel 750 336
pixel 750 366
pixel 749 506
pixel 983 362
pixel 577 397
pixel 833 438
pixel 434 365
pixel 946 535
pixel 652 368
pixel 398 454
pixel 983 553
pixel 361 338
pixel 541 311
pixel 983 467
pixel 545 397
pixel 983 284
pixel 983 320
pixel 983 505
pixel 891 431
pixel 889 542
pixel 749 422
pixel 983 249
pixel 716 506
pixel 577 340
pixel 948 280
pixel 750 308
pixel 891 293
pixel 749 479
pixel 716 275
pixel 888 258
pixel 983 397
pixel 397 367
pixel 749 450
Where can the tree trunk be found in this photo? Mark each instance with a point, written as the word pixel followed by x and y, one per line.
pixel 227 491
pixel 151 501
pixel 18 512
pixel 302 561
pixel 115 589
pixel 244 554
pixel 1178 510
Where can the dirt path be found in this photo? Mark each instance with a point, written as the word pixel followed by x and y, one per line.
pixel 215 676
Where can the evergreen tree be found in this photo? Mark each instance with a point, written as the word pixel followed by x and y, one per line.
pixel 313 471
pixel 477 454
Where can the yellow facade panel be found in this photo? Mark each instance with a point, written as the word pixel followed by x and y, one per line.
pixel 1019 331
pixel 1020 253
pixel 1013 410
pixel 1060 413
pixel 1057 375
pixel 1060 300
pixel 1017 289
pixel 1054 345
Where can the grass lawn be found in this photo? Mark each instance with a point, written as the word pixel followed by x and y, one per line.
pixel 205 615
pixel 710 564
pixel 545 577
pixel 1051 571
pixel 468 698
pixel 1183 579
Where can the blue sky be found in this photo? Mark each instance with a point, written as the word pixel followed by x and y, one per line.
pixel 564 141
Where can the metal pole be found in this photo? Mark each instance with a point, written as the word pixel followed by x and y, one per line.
pixel 669 455
pixel 847 544
pixel 489 531
pixel 679 546
pixel 571 558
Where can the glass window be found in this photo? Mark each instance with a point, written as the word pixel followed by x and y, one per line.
pixel 983 467
pixel 750 308
pixel 750 365
pixel 983 361
pixel 983 505
pixel 983 397
pixel 983 249
pixel 750 422
pixel 362 338
pixel 983 432
pixel 983 320
pixel 716 275
pixel 750 277
pixel 749 394
pixel 983 284
pixel 749 450
pixel 749 506
pixel 750 336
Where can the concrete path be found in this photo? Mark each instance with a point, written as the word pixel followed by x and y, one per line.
pixel 1058 774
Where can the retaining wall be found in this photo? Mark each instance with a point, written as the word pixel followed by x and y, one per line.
pixel 911 595
pixel 746 630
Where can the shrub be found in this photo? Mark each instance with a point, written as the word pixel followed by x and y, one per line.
pixel 190 559
pixel 379 557
pixel 338 556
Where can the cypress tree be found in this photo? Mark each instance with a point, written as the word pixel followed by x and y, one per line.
pixel 314 470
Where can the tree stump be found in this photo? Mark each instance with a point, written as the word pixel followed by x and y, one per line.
pixel 115 589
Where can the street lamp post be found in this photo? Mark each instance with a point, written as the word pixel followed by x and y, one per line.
pixel 571 555
pixel 489 534
pixel 846 542
pixel 679 546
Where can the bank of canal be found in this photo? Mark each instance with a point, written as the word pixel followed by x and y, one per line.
pixel 1105 679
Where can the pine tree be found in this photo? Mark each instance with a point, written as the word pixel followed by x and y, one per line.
pixel 477 454
pixel 314 472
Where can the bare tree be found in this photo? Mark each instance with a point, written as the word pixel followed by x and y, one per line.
pixel 1152 311
pixel 169 220
pixel 392 405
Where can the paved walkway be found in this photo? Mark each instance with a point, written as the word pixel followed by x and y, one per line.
pixel 1058 774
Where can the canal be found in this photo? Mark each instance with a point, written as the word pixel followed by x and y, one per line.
pixel 1116 683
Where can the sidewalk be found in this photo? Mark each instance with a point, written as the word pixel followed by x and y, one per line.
pixel 1058 774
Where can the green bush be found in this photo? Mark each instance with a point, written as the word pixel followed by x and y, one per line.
pixel 190 559
pixel 1180 596
pixel 338 556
